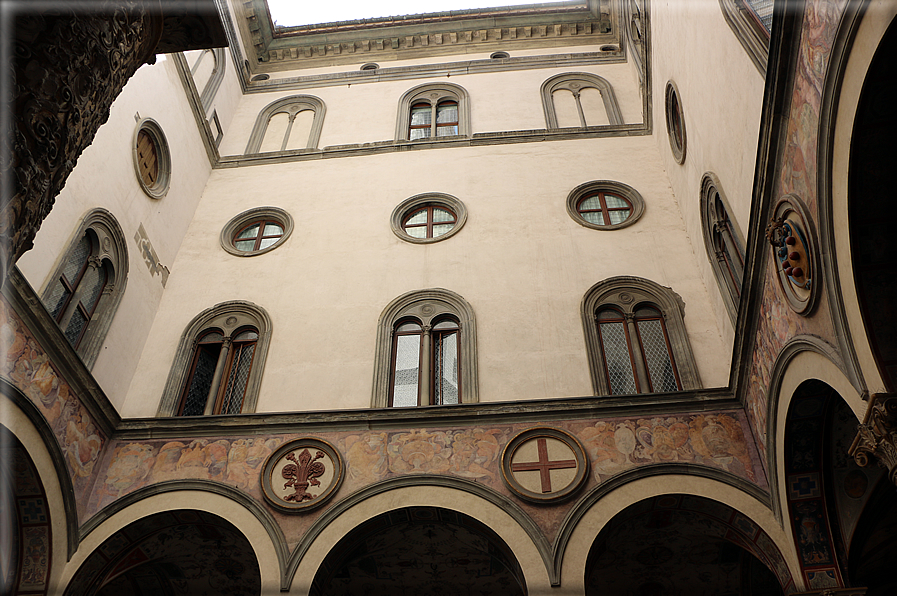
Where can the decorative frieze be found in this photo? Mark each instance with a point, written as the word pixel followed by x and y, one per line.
pixel 877 436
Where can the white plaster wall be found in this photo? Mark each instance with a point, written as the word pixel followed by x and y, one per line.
pixel 520 261
pixel 499 101
pixel 721 93
pixel 229 94
pixel 105 177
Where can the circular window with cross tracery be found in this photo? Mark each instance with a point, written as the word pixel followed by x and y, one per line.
pixel 256 231
pixel 428 217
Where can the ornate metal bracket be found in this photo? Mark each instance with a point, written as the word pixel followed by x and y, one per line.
pixel 877 435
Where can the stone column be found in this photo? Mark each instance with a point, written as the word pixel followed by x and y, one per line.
pixel 876 438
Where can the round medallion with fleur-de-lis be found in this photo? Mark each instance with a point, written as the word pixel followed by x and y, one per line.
pixel 302 475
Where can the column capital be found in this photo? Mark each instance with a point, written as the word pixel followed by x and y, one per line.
pixel 877 436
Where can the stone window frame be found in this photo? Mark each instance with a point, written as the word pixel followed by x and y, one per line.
pixel 290 105
pixel 109 250
pixel 435 199
pixel 626 294
pixel 713 234
pixel 674 113
pixel 426 306
pixel 433 93
pixel 613 187
pixel 575 82
pixel 226 237
pixel 163 158
pixel 230 318
pixel 211 87
pixel 749 31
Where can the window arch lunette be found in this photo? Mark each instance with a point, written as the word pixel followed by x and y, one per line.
pixel 723 242
pixel 434 96
pixel 634 320
pixel 85 289
pixel 291 106
pixel 231 321
pixel 575 82
pixel 426 309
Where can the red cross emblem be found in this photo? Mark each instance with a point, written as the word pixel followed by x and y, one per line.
pixel 544 465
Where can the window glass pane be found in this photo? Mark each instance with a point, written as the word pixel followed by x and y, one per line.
pixel 763 10
pixel 407 371
pixel 91 286
pixel 418 218
pixel 266 242
pixel 446 131
pixel 201 382
pixel 595 217
pixel 57 299
pixel 616 358
pixel 76 259
pixel 213 337
pixel 445 325
pixel 610 314
pixel 246 245
pixel 232 402
pixel 657 357
pixel 250 232
pixel 441 229
pixel 590 203
pixel 446 373
pixel 420 115
pixel 614 202
pixel 647 311
pixel 440 215
pixel 446 113
pixel 418 232
pixel 76 324
pixel 247 335
pixel 408 327
pixel 618 216
pixel 420 133
pixel 272 229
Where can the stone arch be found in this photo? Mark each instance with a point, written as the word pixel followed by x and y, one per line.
pixel 291 106
pixel 433 93
pixel 485 505
pixel 575 82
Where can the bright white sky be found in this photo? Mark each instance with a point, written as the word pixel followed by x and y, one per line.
pixel 291 13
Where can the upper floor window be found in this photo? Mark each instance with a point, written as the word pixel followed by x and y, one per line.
pixel 87 286
pixel 751 22
pixel 636 338
pixel 722 239
pixel 428 217
pixel 152 159
pixel 207 69
pixel 288 124
pixel 219 362
pixel 426 351
pixel 256 231
pixel 675 122
pixel 433 110
pixel 605 205
pixel 579 99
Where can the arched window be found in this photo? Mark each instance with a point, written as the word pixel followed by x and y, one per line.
pixel 207 71
pixel 287 124
pixel 636 338
pixel 426 351
pixel 751 22
pixel 722 239
pixel 433 110
pixel 86 288
pixel 579 99
pixel 219 362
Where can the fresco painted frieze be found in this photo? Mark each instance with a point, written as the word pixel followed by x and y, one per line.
pixel 797 175
pixel 718 440
pixel 26 365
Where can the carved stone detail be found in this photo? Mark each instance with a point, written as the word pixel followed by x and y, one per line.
pixel 69 66
pixel 877 436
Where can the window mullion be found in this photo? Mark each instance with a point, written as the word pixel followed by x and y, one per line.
pixel 216 378
pixel 433 116
pixel 637 355
pixel 424 381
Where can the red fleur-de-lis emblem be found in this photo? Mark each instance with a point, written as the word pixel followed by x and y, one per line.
pixel 302 473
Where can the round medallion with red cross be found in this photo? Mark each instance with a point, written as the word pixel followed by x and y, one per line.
pixel 544 465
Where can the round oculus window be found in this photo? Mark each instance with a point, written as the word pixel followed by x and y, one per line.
pixel 605 205
pixel 152 161
pixel 428 217
pixel 675 122
pixel 256 231
pixel 604 209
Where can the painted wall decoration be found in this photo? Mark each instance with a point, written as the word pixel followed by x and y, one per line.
pixel 301 475
pixel 27 366
pixel 544 465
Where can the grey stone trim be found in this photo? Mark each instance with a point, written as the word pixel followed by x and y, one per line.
pixel 230 228
pixel 844 36
pixel 291 105
pixel 535 411
pixel 214 82
pixel 163 158
pixel 636 31
pixel 433 93
pixel 109 246
pixel 440 302
pixel 574 82
pixel 59 466
pixel 428 198
pixel 205 129
pixel 209 486
pixel 510 507
pixel 627 293
pixel 793 347
pixel 68 365
pixel 751 34
pixel 677 145
pixel 710 186
pixel 228 317
pixel 439 70
pixel 624 190
pixel 575 515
